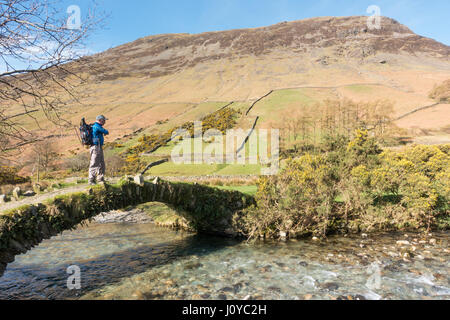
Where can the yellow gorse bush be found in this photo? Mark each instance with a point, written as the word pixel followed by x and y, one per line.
pixel 419 175
pixel 355 187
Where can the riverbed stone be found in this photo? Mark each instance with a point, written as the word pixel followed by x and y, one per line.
pixel 202 288
pixel 237 287
pixel 331 286
pixel 170 283
pixel 407 255
pixel 192 265
pixel 280 264
pixel 237 272
pixel 222 296
pixel 274 289
pixel 256 296
pixel 267 268
pixel 403 243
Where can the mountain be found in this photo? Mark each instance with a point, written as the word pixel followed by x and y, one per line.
pixel 347 37
pixel 180 77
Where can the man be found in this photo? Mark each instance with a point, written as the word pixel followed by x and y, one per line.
pixel 97 164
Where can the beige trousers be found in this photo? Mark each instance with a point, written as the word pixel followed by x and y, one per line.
pixel 97 164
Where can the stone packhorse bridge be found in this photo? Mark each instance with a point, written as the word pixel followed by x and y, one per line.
pixel 208 210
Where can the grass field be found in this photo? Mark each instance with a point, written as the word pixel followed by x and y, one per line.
pixel 360 88
pixel 283 103
pixel 250 190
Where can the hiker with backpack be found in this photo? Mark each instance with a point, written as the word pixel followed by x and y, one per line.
pixel 97 164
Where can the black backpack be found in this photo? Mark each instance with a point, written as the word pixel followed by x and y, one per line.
pixel 86 133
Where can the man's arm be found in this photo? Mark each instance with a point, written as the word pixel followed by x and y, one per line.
pixel 103 130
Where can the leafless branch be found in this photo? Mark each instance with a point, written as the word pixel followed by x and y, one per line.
pixel 41 60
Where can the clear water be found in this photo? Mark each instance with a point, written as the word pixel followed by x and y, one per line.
pixel 142 261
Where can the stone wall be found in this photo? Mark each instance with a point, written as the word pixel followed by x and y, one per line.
pixel 209 210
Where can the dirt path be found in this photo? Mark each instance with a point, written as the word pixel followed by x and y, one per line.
pixel 40 198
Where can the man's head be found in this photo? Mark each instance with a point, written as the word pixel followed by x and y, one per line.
pixel 101 119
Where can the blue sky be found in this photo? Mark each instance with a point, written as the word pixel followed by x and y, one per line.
pixel 132 19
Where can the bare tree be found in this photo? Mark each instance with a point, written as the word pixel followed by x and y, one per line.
pixel 40 65
pixel 44 156
pixel 113 164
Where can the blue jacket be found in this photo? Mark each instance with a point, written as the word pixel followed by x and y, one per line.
pixel 97 134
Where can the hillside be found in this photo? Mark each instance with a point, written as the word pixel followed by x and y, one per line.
pixel 182 77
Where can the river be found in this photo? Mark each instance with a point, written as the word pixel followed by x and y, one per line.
pixel 143 261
